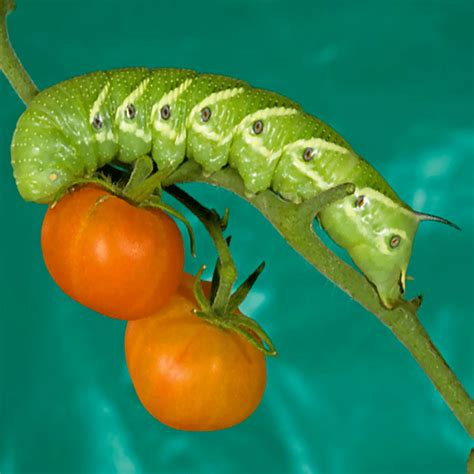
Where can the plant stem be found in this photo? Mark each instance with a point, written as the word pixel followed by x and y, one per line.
pixel 222 309
pixel 295 224
pixel 212 222
pixel 9 62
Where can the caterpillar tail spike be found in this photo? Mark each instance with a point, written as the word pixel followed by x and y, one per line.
pixel 430 217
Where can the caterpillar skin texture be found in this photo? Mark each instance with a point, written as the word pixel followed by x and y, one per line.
pixel 74 128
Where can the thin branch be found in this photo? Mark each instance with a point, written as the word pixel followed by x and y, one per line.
pixel 213 223
pixel 9 62
pixel 295 224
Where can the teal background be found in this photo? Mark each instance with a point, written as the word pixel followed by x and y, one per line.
pixel 396 79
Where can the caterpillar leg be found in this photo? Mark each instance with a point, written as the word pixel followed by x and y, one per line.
pixel 142 169
pixel 145 183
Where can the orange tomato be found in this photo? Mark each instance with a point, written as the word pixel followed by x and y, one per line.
pixel 189 374
pixel 115 258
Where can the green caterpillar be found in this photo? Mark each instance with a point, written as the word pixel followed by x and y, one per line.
pixel 76 127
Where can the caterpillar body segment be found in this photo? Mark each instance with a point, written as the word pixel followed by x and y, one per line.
pixel 74 128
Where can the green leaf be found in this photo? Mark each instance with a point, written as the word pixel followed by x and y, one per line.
pixel 241 293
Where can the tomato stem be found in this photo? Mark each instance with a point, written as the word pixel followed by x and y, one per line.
pixel 222 306
pixel 156 203
pixel 214 224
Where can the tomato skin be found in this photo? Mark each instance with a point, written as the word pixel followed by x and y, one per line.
pixel 118 259
pixel 189 374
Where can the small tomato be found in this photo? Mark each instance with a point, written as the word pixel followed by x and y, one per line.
pixel 120 260
pixel 189 374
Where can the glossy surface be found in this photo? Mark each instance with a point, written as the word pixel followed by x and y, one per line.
pixel 343 396
pixel 120 260
pixel 189 374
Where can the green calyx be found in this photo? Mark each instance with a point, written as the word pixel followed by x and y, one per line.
pixel 142 186
pixel 230 318
pixel 221 308
pixel 142 189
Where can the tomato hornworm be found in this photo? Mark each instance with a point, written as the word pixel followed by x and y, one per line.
pixel 76 127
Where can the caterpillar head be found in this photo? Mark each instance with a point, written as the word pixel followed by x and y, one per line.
pixel 385 264
pixel 378 233
pixel 384 256
pixel 384 261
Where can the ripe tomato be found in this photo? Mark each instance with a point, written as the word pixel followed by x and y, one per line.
pixel 189 374
pixel 115 258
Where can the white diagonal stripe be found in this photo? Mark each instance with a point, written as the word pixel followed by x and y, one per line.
pixel 317 144
pixel 212 99
pixel 204 131
pixel 98 102
pixel 308 172
pixel 371 193
pixel 105 136
pixel 132 97
pixel 263 114
pixel 169 98
pixel 259 147
pixel 381 242
pixel 134 130
pixel 163 126
pixel 166 130
pixel 245 122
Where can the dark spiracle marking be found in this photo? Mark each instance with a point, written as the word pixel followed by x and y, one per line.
pixel 395 241
pixel 308 154
pixel 360 201
pixel 205 114
pixel 165 112
pixel 97 122
pixel 130 111
pixel 257 127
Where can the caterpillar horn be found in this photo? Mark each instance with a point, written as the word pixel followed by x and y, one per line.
pixel 431 217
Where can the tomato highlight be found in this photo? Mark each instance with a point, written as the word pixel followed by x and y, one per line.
pixel 190 374
pixel 118 259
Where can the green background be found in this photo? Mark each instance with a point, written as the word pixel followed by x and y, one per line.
pixel 396 79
